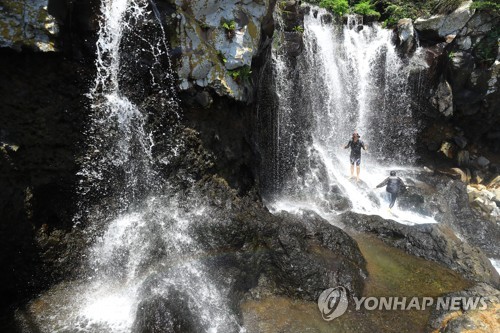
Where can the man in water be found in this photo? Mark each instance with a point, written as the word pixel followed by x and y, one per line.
pixel 394 186
pixel 355 144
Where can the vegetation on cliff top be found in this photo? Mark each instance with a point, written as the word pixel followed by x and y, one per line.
pixel 391 11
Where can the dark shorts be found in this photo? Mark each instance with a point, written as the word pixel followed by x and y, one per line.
pixel 355 160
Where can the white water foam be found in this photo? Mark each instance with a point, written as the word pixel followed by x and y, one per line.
pixel 352 79
pixel 143 249
pixel 496 264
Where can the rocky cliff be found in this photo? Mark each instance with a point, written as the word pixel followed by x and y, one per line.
pixel 221 52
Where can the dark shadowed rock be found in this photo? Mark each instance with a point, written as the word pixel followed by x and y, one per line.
pixel 170 314
pixel 406 40
pixel 447 201
pixel 303 255
pixel 452 202
pixel 435 242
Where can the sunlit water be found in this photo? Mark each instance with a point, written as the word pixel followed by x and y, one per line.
pixel 351 78
pixel 496 264
pixel 142 245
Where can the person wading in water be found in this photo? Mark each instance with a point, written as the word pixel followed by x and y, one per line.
pixel 355 144
pixel 394 187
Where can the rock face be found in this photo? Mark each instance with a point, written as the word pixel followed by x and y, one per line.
pixel 252 252
pixel 433 242
pixel 443 99
pixel 27 23
pixel 466 88
pixel 485 200
pixel 218 40
pixel 473 72
pixel 447 200
pixel 166 315
pixel 297 255
pixel 442 26
pixel 43 116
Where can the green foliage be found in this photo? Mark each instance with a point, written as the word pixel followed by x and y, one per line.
pixel 486 51
pixel 366 8
pixel 451 55
pixel 221 56
pixel 395 12
pixel 241 74
pixel 339 7
pixel 229 25
pixel 298 28
pixel 493 6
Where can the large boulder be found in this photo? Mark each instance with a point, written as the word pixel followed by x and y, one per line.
pixel 450 204
pixel 435 242
pixel 438 27
pixel 300 255
pixel 166 314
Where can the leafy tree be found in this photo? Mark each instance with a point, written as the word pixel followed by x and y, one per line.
pixel 339 7
pixel 366 8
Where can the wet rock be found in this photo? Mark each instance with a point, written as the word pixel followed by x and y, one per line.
pixel 326 18
pixel 469 317
pixel 169 314
pixel 293 43
pixel 448 149
pixel 301 255
pixel 291 14
pixel 204 99
pixel 461 67
pixel 433 146
pixel 435 242
pixel 448 200
pixel 413 200
pixel 406 41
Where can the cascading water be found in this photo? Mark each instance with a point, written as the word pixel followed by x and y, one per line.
pixel 143 249
pixel 351 78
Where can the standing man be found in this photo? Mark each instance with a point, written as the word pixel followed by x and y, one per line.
pixel 355 144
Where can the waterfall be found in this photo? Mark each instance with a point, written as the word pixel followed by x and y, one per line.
pixel 119 162
pixel 350 77
pixel 143 251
